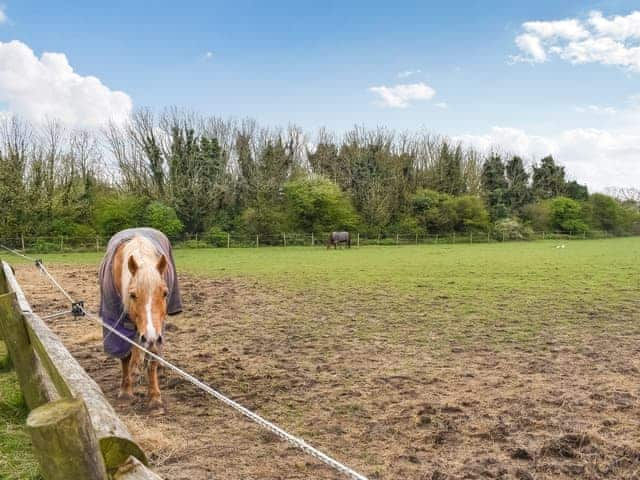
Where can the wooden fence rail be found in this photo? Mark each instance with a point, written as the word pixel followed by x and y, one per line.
pixel 63 398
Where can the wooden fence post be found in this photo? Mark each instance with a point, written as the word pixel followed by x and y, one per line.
pixel 312 239
pixel 64 441
pixel 397 239
pixel 454 237
pixel 471 237
pixel 22 241
pixel 16 338
pixel 228 240
pixel 97 243
pixel 61 243
pixel 436 238
pixel 284 239
pixel 488 237
pixel 358 239
pixel 416 238
pixel 257 241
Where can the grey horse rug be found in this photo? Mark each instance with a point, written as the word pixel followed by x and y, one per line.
pixel 111 306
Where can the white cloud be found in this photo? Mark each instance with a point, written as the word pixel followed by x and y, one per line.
pixel 597 109
pixel 570 29
pixel 3 15
pixel 208 55
pixel 532 47
pixel 408 73
pixel 442 105
pixel 401 96
pixel 608 41
pixel 599 158
pixel 619 27
pixel 47 87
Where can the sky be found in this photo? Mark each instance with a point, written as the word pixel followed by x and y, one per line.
pixel 533 78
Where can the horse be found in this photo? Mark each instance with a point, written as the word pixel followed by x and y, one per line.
pixel 138 289
pixel 339 237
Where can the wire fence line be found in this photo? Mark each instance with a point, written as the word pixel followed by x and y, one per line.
pixel 98 243
pixel 297 442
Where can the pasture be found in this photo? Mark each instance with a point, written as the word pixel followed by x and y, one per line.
pixel 515 360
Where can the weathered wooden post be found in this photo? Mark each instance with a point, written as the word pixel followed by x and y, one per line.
pixel 228 240
pixel 471 237
pixel 14 333
pixel 257 241
pixel 397 239
pixel 22 241
pixel 64 441
pixel 358 239
pixel 312 239
pixel 488 237
pixel 61 243
pixel 436 238
pixel 416 238
pixel 454 237
pixel 284 239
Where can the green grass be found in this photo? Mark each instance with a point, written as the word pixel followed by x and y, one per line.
pixel 17 461
pixel 490 293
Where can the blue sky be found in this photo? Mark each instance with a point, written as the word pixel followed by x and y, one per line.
pixel 315 64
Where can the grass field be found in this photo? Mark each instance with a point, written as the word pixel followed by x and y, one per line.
pixel 407 361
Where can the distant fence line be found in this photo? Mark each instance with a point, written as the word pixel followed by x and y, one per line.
pixel 63 243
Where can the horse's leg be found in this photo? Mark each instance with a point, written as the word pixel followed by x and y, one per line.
pixel 132 362
pixel 155 402
pixel 126 387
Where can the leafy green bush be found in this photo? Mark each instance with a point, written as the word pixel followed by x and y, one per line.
pixel 118 212
pixel 566 215
pixel 164 218
pixel 316 204
pixel 538 216
pixel 215 237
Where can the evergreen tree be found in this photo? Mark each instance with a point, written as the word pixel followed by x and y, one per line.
pixel 495 186
pixel 518 192
pixel 548 179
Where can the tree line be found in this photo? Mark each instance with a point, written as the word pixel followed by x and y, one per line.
pixel 185 173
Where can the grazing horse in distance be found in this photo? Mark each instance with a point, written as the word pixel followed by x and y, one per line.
pixel 339 237
pixel 138 289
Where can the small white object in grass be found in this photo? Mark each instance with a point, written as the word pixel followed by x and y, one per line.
pixel 562 245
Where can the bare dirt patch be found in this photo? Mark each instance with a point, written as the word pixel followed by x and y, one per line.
pixel 388 408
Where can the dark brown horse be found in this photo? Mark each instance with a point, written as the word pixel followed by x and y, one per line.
pixel 339 237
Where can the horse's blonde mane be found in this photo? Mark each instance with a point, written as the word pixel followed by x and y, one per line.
pixel 147 276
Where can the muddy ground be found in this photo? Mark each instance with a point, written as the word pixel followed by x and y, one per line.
pixel 389 409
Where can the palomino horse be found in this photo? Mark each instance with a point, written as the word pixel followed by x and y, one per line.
pixel 138 289
pixel 339 237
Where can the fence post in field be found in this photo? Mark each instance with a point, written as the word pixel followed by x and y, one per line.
pixel 488 237
pixel 436 238
pixel 378 241
pixel 64 441
pixel 284 239
pixel 358 239
pixel 16 338
pixel 61 242
pixel 454 237
pixel 228 240
pixel 503 236
pixel 22 241
pixel 97 243
pixel 543 235
pixel 312 239
pixel 416 238
pixel 470 237
pixel 257 241
pixel 397 239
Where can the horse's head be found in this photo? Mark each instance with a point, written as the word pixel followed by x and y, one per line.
pixel 146 301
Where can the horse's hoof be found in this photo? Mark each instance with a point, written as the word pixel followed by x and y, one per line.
pixel 125 397
pixel 156 407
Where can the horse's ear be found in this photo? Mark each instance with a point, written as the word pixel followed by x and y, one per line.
pixel 133 266
pixel 162 265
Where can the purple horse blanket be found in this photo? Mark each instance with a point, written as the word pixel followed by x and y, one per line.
pixel 111 306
